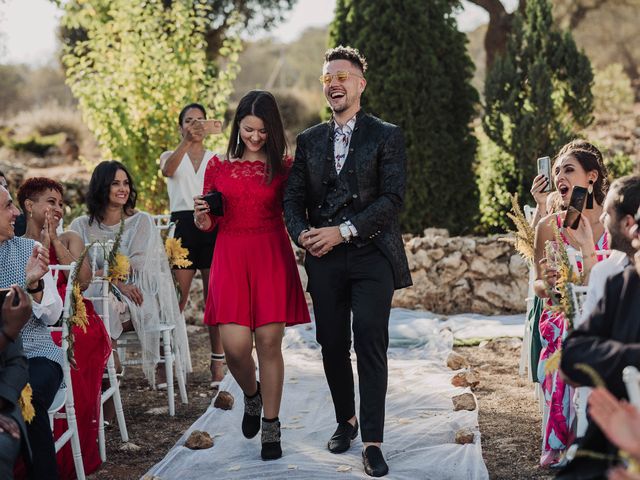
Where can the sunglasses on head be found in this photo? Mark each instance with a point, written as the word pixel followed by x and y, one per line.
pixel 341 76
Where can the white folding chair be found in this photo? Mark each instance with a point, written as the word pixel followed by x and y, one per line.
pixel 163 222
pixel 631 378
pixel 64 397
pixel 573 254
pixel 525 351
pixel 113 391
pixel 130 340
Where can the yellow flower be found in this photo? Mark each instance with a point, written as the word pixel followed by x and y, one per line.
pixel 26 407
pixel 119 269
pixel 176 253
pixel 79 316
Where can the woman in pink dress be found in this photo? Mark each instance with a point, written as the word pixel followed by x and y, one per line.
pixel 578 164
pixel 254 285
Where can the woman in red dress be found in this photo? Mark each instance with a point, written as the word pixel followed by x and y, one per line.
pixel 254 286
pixel 41 201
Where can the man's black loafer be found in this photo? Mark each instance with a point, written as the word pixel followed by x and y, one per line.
pixel 374 463
pixel 341 439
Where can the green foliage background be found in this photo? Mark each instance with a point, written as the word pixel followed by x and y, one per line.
pixel 139 65
pixel 419 78
pixel 538 96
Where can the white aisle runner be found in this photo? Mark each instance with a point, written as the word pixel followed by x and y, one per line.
pixel 420 422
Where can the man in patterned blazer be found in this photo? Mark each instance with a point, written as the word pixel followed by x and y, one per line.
pixel 342 202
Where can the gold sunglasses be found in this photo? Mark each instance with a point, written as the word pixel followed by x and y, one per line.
pixel 341 76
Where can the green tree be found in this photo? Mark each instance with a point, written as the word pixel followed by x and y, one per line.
pixel 538 95
pixel 140 64
pixel 419 78
pixel 222 16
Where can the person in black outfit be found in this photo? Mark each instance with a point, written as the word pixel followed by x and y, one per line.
pixel 607 342
pixel 342 203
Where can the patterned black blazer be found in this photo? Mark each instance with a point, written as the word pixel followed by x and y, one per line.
pixel 379 159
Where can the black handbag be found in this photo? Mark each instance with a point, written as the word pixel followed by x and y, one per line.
pixel 214 199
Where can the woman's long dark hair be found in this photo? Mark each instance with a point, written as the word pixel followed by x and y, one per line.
pixel 100 186
pixel 263 105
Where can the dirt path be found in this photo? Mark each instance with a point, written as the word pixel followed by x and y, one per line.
pixel 509 418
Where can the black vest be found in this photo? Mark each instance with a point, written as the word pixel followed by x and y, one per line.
pixel 341 194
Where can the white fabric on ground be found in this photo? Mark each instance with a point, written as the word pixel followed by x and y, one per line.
pixel 420 422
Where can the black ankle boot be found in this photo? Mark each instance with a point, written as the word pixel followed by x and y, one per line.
pixel 252 413
pixel 271 439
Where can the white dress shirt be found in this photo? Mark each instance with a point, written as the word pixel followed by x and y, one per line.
pixel 600 272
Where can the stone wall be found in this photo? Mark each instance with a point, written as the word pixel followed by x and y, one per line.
pixel 463 275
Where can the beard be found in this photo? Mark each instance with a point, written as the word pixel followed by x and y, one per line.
pixel 619 241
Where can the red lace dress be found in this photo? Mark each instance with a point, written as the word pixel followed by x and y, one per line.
pixel 254 278
pixel 91 352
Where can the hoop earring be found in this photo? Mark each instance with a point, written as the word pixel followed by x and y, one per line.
pixel 589 205
pixel 237 149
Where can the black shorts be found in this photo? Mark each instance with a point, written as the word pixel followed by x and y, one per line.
pixel 200 244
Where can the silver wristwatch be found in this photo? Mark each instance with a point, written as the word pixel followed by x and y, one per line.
pixel 345 231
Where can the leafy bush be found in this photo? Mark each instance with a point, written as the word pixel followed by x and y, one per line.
pixel 138 65
pixel 498 176
pixel 619 165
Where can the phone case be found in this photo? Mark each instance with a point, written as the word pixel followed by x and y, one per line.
pixel 212 127
pixel 214 199
pixel 544 168
pixel 576 204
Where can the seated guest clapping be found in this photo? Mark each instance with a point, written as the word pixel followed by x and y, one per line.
pixel 41 200
pixel 147 299
pixel 14 314
pixel 26 263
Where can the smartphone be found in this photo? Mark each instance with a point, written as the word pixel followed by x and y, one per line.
pixel 576 204
pixel 3 295
pixel 211 127
pixel 544 168
pixel 214 199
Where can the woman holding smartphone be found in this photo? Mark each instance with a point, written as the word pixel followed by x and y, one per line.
pixel 255 288
pixel 579 164
pixel 184 168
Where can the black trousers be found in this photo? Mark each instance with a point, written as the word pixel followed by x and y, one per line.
pixel 45 377
pixel 359 280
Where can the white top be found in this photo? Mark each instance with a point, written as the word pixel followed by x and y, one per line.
pixel 600 272
pixel 186 182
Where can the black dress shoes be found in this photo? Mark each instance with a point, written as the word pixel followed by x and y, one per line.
pixel 340 441
pixel 374 463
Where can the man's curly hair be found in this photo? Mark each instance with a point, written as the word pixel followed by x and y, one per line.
pixel 347 53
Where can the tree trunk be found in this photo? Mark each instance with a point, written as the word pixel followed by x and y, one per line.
pixel 495 40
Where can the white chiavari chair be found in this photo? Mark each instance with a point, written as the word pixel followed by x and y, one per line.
pixel 631 378
pixel 525 351
pixel 101 303
pixel 64 397
pixel 129 341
